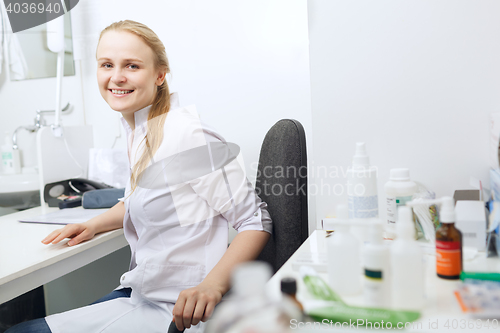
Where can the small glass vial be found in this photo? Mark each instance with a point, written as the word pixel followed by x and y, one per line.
pixel 448 243
pixel 289 287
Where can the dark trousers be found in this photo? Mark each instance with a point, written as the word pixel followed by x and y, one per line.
pixel 40 325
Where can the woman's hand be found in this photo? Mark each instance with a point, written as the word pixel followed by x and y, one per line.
pixel 109 220
pixel 79 232
pixel 195 304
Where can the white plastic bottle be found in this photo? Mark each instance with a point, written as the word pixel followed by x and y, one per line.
pixel 406 265
pixel 344 268
pixel 11 162
pixel 398 190
pixel 249 307
pixel 376 261
pixel 362 185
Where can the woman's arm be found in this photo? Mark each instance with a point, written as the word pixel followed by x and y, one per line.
pixel 197 304
pixel 79 232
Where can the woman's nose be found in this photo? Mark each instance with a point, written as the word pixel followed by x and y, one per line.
pixel 118 77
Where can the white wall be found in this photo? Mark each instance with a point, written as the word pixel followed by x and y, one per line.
pixel 416 80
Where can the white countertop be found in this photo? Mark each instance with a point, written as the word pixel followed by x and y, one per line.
pixel 26 263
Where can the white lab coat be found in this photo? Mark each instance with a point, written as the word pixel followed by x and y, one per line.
pixel 176 223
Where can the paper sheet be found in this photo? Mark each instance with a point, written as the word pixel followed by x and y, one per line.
pixel 65 216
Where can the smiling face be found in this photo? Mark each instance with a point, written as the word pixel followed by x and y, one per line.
pixel 126 72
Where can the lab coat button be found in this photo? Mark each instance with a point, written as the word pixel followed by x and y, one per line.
pixel 256 214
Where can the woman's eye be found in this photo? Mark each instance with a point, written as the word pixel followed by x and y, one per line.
pixel 106 65
pixel 133 66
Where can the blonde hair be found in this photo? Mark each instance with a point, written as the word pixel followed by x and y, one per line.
pixel 161 102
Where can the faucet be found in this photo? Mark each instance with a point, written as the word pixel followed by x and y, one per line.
pixel 30 129
pixel 39 123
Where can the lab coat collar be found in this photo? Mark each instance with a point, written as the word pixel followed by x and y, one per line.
pixel 141 116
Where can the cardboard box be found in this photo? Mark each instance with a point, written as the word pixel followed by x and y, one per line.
pixel 471 221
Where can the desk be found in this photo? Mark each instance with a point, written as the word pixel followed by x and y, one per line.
pixel 441 304
pixel 26 263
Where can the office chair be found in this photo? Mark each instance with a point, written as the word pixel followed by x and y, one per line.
pixel 282 183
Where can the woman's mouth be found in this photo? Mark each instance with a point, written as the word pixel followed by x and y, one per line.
pixel 120 92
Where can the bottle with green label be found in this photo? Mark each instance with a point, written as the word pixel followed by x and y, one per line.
pixel 398 190
pixel 376 262
pixel 10 157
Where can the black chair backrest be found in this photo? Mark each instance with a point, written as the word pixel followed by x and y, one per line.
pixel 282 183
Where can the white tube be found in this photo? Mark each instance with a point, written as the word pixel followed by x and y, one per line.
pixel 60 75
pixel 55 42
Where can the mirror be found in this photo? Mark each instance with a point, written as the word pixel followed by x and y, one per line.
pixel 41 62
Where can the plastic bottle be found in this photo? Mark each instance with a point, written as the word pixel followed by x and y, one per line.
pixel 248 308
pixel 11 162
pixel 398 190
pixel 376 261
pixel 343 256
pixel 448 243
pixel 247 295
pixel 406 265
pixel 362 185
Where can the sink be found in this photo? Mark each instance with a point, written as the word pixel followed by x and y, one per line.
pixel 19 191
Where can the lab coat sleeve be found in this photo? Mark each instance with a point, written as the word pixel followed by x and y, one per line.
pixel 226 188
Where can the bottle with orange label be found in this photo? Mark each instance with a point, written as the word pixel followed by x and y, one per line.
pixel 448 243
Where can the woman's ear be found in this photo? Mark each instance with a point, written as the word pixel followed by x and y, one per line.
pixel 160 78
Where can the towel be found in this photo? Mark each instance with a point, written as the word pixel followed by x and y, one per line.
pixel 9 41
pixel 17 63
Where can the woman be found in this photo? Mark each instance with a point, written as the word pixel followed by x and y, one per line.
pixel 185 186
